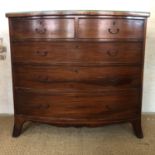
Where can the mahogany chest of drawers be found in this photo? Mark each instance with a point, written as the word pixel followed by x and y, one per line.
pixel 77 68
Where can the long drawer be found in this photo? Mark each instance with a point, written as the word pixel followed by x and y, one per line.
pixel 80 53
pixel 70 78
pixel 108 104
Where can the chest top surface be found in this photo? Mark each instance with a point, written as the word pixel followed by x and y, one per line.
pixel 78 12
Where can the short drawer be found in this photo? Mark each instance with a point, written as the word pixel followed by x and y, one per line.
pixel 42 28
pixel 110 28
pixel 79 53
pixel 75 78
pixel 105 105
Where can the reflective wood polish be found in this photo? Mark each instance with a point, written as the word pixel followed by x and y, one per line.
pixel 77 68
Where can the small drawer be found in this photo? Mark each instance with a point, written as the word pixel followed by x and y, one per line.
pixel 42 28
pixel 105 105
pixel 78 53
pixel 110 28
pixel 76 78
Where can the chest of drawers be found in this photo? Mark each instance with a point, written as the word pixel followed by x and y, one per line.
pixel 77 68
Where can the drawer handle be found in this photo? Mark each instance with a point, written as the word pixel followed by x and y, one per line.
pixel 75 70
pixel 45 106
pixel 113 31
pixel 114 80
pixel 41 30
pixel 43 78
pixel 77 46
pixel 42 53
pixel 112 53
pixel 120 80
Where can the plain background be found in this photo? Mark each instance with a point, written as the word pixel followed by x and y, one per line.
pixel 6 99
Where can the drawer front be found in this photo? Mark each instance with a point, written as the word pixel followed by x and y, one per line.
pixel 82 53
pixel 71 78
pixel 42 28
pixel 110 28
pixel 78 105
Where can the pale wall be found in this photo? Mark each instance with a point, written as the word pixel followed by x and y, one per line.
pixel 6 103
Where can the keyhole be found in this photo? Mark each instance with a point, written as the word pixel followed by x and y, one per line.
pixel 41 22
pixel 76 70
pixel 114 23
pixel 77 46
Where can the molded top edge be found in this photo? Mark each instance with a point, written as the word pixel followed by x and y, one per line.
pixel 78 12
